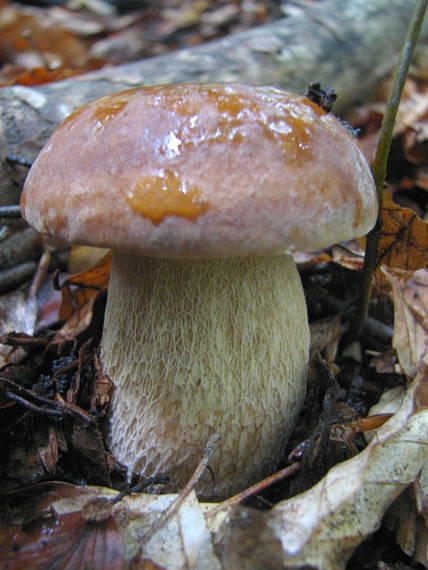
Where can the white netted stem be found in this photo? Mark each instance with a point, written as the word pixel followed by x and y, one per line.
pixel 197 347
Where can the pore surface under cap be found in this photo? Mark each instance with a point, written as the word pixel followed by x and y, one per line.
pixel 198 170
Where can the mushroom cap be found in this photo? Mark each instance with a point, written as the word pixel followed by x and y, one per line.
pixel 201 170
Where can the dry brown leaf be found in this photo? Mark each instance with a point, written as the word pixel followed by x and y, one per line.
pixel 82 287
pixel 25 463
pixel 80 296
pixel 79 321
pixel 23 35
pixel 41 76
pixel 410 299
pixel 40 537
pixel 403 239
pixel 49 441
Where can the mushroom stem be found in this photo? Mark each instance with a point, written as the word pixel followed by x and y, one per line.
pixel 197 347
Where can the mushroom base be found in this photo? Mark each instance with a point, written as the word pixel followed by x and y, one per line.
pixel 197 347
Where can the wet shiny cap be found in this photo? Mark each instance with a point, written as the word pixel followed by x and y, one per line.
pixel 194 170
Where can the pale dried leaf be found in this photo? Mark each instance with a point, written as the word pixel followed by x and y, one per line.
pixel 406 515
pixel 182 543
pixel 321 527
pixel 389 402
pixel 410 319
pixel 422 492
pixel 17 314
pixel 420 550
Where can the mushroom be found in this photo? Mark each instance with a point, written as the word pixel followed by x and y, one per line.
pixel 202 192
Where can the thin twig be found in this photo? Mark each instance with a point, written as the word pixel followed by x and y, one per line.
pixel 256 488
pixel 19 159
pixel 36 409
pixel 20 340
pixel 41 272
pixel 175 505
pixel 100 508
pixel 380 161
pixel 139 487
pixel 24 245
pixel 10 211
pixel 14 276
pixel 41 405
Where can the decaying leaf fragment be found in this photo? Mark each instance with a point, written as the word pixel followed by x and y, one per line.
pixel 321 527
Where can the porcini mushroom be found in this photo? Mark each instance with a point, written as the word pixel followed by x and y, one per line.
pixel 202 192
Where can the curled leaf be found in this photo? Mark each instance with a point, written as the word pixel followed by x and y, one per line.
pixel 321 527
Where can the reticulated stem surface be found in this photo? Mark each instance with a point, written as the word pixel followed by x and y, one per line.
pixel 197 347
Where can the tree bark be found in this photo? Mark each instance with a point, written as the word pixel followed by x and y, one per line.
pixel 346 44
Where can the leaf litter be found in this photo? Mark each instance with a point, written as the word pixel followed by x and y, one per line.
pixel 55 397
